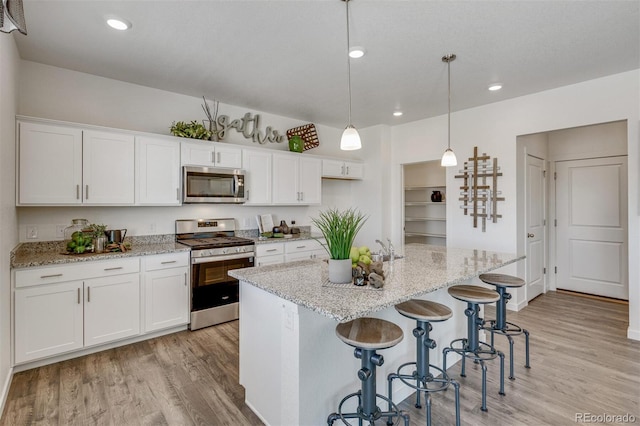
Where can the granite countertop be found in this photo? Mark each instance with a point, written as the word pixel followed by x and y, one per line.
pixel 29 255
pixel 423 269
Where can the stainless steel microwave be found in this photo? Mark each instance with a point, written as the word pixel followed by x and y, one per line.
pixel 212 185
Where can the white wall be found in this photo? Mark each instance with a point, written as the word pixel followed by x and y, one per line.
pixel 60 94
pixel 494 128
pixel 8 223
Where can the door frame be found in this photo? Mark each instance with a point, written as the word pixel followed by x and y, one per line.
pixel 545 234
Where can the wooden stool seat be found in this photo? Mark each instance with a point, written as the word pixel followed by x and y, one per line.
pixel 424 310
pixel 502 280
pixel 369 333
pixel 473 294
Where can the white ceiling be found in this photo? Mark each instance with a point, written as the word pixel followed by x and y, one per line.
pixel 289 57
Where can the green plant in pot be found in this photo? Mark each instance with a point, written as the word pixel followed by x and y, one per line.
pixel 339 229
pixel 193 130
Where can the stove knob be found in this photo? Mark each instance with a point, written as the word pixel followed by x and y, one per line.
pixel 225 251
pixel 239 250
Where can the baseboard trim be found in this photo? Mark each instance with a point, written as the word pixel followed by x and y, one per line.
pixel 633 334
pixel 593 296
pixel 5 389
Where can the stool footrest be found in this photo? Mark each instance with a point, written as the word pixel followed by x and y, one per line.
pixel 369 417
pixel 511 329
pixel 422 383
pixel 486 354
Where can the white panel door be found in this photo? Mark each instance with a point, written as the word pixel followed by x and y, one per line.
pixel 257 178
pixel 49 165
pixel 48 320
pixel 285 180
pixel 166 298
pixel 157 172
pixel 112 308
pixel 536 242
pixel 310 181
pixel 592 226
pixel 108 168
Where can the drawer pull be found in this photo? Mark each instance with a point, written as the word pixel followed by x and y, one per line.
pixel 225 297
pixel 88 294
pixel 185 279
pixel 79 296
pixel 113 269
pixel 86 190
pixel 167 262
pixel 50 276
pixel 270 250
pixel 301 247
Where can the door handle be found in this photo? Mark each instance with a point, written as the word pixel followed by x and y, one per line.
pixel 86 196
pixel 88 294
pixel 530 235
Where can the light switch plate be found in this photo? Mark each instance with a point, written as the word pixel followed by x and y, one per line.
pixel 32 232
pixel 60 231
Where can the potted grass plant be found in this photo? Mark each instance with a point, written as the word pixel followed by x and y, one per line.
pixel 339 229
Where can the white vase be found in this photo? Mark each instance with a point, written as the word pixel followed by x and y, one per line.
pixel 340 271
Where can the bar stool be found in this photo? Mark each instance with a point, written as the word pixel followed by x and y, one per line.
pixel 424 312
pixel 367 335
pixel 500 325
pixel 471 347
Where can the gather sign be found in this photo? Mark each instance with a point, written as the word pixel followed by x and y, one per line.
pixel 249 126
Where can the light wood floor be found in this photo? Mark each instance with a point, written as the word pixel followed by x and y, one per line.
pixel 580 357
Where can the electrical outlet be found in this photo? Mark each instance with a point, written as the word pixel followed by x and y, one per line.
pixel 152 227
pixel 60 231
pixel 32 232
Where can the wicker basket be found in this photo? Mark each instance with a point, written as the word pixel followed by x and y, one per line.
pixel 307 133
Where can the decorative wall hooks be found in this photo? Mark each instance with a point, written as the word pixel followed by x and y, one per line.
pixel 479 192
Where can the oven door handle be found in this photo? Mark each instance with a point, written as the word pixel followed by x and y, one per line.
pixel 198 260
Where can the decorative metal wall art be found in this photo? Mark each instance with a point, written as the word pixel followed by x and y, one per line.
pixel 479 192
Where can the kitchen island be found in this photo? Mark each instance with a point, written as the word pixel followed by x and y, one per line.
pixel 293 367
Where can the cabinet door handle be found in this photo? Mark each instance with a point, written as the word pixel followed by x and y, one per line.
pixel 79 296
pixel 213 159
pixel 88 294
pixel 247 195
pixel 185 279
pixel 224 297
pixel 218 156
pixel 113 269
pixel 77 192
pixel 178 194
pixel 50 276
pixel 270 250
pixel 347 170
pixel 86 192
pixel 302 196
pixel 300 247
pixel 167 262
pixel 342 169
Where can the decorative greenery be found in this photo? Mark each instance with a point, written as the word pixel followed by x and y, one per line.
pixel 97 230
pixel 193 130
pixel 339 229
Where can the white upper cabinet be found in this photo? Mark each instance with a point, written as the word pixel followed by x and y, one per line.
pixel 65 165
pixel 157 171
pixel 257 179
pixel 108 168
pixel 296 180
pixel 49 164
pixel 337 169
pixel 211 155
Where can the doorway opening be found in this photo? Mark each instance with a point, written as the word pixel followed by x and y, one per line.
pixel 572 210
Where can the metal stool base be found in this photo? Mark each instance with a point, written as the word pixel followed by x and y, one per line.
pixel 479 356
pixel 510 329
pixel 370 417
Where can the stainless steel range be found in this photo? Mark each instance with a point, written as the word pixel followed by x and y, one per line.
pixel 215 250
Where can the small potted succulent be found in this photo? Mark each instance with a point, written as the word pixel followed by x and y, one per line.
pixel 339 230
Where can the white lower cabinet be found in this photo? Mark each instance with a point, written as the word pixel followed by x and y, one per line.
pixel 304 250
pixel 64 308
pixel 269 254
pixel 48 320
pixel 166 291
pixel 111 308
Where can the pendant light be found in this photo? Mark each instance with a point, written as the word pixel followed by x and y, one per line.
pixel 12 16
pixel 350 140
pixel 449 158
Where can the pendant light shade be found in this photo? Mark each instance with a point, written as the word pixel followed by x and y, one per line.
pixel 12 16
pixel 449 158
pixel 350 140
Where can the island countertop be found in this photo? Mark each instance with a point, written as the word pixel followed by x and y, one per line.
pixel 423 269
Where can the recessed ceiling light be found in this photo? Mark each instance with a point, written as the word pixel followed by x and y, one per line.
pixel 495 86
pixel 397 113
pixel 356 52
pixel 118 24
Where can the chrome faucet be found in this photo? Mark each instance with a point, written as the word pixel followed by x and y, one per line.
pixel 384 248
pixel 392 250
